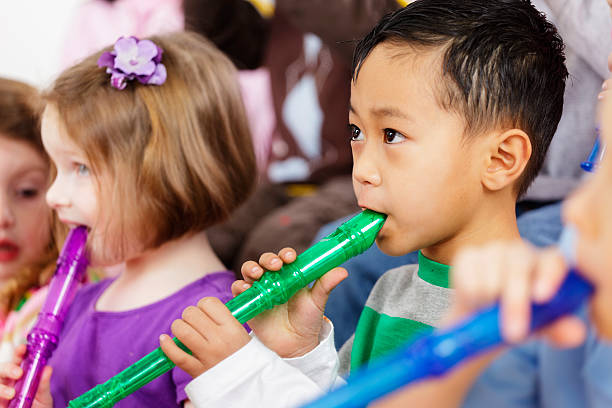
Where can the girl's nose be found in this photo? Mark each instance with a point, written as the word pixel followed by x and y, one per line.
pixel 7 216
pixel 56 198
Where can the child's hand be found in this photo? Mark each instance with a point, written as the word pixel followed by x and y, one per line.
pixel 606 87
pixel 291 329
pixel 11 372
pixel 209 331
pixel 515 274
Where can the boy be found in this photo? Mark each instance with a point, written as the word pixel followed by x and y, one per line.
pixel 453 105
pixel 578 371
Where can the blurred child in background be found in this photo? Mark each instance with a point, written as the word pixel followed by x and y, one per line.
pixel 27 250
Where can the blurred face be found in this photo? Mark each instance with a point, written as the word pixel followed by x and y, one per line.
pixel 589 209
pixel 24 215
pixel 409 158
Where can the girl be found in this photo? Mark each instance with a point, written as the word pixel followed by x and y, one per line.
pixel 27 252
pixel 147 158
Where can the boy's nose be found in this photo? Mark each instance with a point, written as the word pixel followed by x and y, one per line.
pixel 56 197
pixel 7 216
pixel 365 170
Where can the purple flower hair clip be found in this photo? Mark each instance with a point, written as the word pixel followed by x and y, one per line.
pixel 131 59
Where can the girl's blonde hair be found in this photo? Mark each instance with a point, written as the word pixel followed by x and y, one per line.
pixel 179 156
pixel 20 108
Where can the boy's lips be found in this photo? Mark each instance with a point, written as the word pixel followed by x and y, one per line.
pixel 377 209
pixel 369 207
pixel 8 250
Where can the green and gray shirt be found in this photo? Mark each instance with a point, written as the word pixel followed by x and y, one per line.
pixel 405 302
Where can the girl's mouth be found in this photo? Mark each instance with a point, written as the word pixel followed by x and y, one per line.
pixel 8 251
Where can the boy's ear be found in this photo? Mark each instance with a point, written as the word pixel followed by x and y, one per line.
pixel 509 153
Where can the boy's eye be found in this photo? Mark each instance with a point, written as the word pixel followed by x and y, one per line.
pixel 82 169
pixel 355 133
pixel 393 136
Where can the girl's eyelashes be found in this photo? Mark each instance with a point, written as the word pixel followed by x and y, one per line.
pixel 355 132
pixel 28 193
pixel 393 136
pixel 81 169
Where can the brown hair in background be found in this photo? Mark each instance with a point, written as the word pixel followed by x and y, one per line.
pixel 179 156
pixel 234 26
pixel 20 108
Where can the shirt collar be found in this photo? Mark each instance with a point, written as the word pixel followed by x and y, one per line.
pixel 433 272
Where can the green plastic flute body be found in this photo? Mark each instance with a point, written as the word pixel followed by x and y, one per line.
pixel 274 288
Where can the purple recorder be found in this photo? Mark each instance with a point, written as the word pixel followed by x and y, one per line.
pixel 44 336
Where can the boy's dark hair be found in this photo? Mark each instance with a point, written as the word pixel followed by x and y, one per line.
pixel 503 64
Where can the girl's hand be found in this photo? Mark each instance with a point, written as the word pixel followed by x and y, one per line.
pixel 516 274
pixel 11 372
pixel 291 329
pixel 209 331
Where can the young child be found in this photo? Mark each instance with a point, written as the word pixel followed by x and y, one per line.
pixel 27 250
pixel 453 104
pixel 577 369
pixel 147 158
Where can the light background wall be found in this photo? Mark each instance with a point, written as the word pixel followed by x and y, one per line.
pixel 31 36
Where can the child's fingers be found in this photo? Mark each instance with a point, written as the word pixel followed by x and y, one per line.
pixel 20 351
pixel 10 371
pixel 515 306
pixel 494 267
pixel 466 279
pixel 43 394
pixel 194 341
pixel 515 292
pixel 519 263
pixel 550 271
pixel 187 363
pixel 228 336
pixel 251 271
pixel 239 286
pixel 6 392
pixel 270 261
pixel 197 320
pixel 490 281
pixel 215 310
pixel 323 286
pixel 187 334
pixel 566 332
pixel 606 87
pixel 287 255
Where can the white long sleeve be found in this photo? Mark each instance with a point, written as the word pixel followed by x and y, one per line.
pixel 256 376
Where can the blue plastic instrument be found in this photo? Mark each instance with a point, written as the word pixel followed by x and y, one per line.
pixel 595 157
pixel 435 354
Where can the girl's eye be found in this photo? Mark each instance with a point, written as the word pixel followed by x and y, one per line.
pixel 82 169
pixel 355 133
pixel 393 136
pixel 27 193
